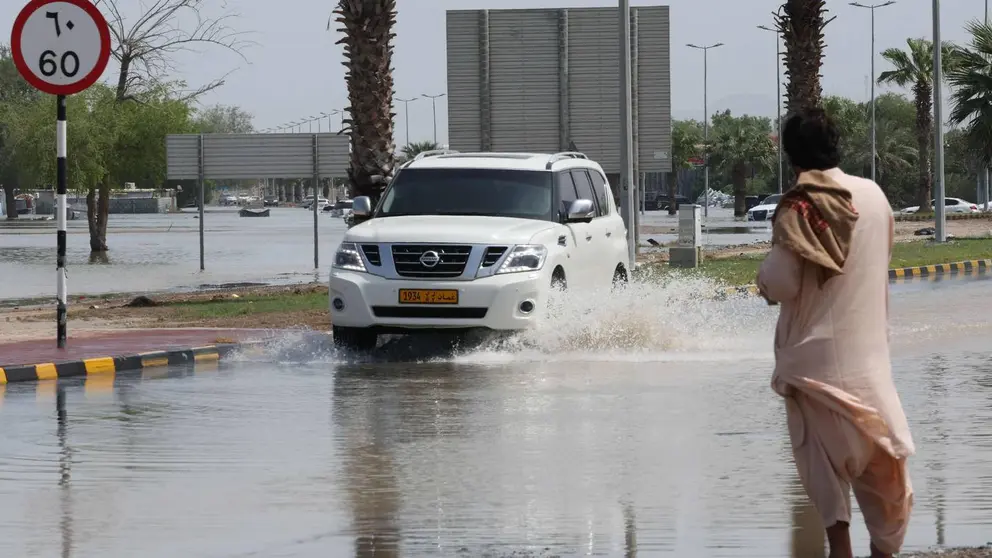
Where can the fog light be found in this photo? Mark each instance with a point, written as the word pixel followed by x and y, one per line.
pixel 338 304
pixel 527 307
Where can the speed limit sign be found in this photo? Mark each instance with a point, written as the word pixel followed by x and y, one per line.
pixel 61 47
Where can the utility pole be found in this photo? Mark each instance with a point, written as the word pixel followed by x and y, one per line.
pixel 433 99
pixel 940 225
pixel 628 203
pixel 406 112
pixel 872 8
pixel 987 177
pixel 778 99
pixel 706 124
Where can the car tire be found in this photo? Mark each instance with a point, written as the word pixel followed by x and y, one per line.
pixel 558 282
pixel 357 339
pixel 620 278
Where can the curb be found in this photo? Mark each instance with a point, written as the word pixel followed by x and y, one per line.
pixel 953 268
pixel 111 365
pixel 973 267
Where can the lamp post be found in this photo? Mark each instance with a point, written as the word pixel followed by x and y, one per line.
pixel 872 8
pixel 778 98
pixel 940 225
pixel 706 123
pixel 985 187
pixel 406 114
pixel 433 99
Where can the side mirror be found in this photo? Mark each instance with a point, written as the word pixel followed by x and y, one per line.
pixel 581 210
pixel 362 206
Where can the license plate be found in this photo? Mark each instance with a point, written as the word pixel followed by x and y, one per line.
pixel 428 296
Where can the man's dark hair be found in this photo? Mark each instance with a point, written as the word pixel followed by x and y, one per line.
pixel 811 140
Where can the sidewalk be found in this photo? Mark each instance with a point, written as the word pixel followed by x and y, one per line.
pixel 117 351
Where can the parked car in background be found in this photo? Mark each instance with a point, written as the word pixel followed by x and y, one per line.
pixel 663 203
pixel 308 202
pixel 765 210
pixel 951 205
pixel 270 201
pixel 340 208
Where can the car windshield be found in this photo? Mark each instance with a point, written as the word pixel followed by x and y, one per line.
pixel 484 192
pixel 772 199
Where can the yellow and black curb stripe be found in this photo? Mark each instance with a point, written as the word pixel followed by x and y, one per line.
pixel 898 275
pixel 197 356
pixel 955 268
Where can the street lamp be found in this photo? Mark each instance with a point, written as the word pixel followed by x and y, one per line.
pixel 406 112
pixel 778 98
pixel 872 8
pixel 433 99
pixel 940 225
pixel 706 123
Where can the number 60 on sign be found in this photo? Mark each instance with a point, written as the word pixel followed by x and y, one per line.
pixel 61 47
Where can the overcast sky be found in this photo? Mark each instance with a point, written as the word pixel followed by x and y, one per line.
pixel 295 69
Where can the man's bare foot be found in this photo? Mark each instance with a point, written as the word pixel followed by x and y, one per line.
pixel 876 553
pixel 839 538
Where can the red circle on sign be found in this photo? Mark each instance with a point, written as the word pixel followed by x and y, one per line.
pixel 69 88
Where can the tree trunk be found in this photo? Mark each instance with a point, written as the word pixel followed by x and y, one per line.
pixel 924 141
pixel 739 178
pixel 122 78
pixel 10 202
pixel 97 210
pixel 801 24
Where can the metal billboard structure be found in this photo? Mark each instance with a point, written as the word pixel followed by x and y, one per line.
pixel 203 157
pixel 546 80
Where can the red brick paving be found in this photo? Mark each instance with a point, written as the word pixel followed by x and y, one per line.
pixel 119 343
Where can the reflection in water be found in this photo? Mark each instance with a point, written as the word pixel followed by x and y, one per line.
pixel 369 466
pixel 935 376
pixel 99 258
pixel 629 531
pixel 808 534
pixel 65 473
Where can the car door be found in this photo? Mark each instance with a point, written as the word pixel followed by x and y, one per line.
pixel 952 205
pixel 600 265
pixel 579 235
pixel 612 223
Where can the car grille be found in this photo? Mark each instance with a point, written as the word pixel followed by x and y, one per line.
pixel 493 254
pixel 372 254
pixel 760 215
pixel 406 259
pixel 446 312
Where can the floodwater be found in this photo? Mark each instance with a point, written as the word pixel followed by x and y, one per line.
pixel 162 252
pixel 642 426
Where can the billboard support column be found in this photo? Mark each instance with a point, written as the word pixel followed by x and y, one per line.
pixel 202 189
pixel 485 85
pixel 627 201
pixel 564 115
pixel 635 149
pixel 316 202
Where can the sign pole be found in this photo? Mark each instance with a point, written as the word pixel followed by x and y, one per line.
pixel 61 201
pixel 60 47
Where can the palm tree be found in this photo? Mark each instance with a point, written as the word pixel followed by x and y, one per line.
pixel 413 149
pixel 914 68
pixel 368 33
pixel 746 146
pixel 801 24
pixel 971 77
pixel 687 136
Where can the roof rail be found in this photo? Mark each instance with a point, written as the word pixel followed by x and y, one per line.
pixel 564 155
pixel 433 152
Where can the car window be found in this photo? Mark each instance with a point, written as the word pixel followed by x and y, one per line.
pixel 566 192
pixel 599 186
pixel 583 186
pixel 456 191
pixel 772 199
pixel 950 201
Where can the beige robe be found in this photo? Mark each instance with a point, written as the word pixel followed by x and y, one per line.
pixel 832 366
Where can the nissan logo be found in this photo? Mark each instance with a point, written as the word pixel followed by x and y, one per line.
pixel 430 259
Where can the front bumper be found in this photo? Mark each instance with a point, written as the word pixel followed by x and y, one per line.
pixel 487 302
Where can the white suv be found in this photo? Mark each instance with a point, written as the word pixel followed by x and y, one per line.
pixel 474 240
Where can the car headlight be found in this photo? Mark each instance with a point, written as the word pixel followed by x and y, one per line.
pixel 348 257
pixel 526 257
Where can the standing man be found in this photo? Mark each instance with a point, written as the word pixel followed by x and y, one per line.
pixel 828 268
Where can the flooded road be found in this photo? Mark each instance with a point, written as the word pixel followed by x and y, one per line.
pixel 162 252
pixel 660 437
